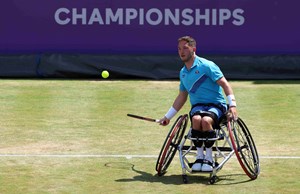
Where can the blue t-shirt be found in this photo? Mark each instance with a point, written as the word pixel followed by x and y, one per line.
pixel 200 82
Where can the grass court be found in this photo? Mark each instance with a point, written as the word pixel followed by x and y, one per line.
pixel 73 136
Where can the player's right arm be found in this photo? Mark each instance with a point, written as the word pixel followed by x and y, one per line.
pixel 177 105
pixel 180 100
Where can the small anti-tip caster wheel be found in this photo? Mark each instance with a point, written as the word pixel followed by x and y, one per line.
pixel 185 179
pixel 212 180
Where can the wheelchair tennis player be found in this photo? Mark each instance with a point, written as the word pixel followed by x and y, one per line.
pixel 202 81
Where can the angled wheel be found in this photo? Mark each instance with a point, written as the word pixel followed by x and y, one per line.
pixel 170 145
pixel 244 147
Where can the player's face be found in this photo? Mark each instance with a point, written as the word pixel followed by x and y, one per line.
pixel 185 51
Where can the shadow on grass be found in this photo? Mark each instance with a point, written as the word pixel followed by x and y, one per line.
pixel 232 179
pixel 166 179
pixel 178 180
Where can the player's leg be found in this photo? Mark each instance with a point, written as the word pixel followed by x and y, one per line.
pixel 207 128
pixel 203 162
pixel 197 133
pixel 208 122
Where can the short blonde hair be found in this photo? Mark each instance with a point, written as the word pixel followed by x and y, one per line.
pixel 190 40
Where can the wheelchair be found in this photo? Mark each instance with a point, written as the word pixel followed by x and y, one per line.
pixel 232 138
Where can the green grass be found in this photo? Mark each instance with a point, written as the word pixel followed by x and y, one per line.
pixel 74 117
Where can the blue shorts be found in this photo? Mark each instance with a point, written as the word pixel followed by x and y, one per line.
pixel 217 111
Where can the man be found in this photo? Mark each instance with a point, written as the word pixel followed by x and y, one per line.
pixel 203 81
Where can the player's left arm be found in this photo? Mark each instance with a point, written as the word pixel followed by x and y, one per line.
pixel 230 96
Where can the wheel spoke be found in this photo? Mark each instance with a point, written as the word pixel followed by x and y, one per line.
pixel 245 148
pixel 170 145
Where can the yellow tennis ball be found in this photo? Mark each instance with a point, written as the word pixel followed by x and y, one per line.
pixel 105 74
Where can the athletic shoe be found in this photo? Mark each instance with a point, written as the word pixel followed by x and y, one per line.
pixel 207 166
pixel 197 166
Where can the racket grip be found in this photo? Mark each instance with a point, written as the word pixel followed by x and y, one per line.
pixel 163 123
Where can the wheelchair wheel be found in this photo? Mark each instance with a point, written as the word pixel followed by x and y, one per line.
pixel 170 145
pixel 244 147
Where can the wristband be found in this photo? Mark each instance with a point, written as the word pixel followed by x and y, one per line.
pixel 231 100
pixel 171 113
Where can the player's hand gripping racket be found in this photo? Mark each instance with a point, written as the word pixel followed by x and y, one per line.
pixel 143 118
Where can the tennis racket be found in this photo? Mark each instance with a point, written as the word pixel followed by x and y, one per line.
pixel 143 118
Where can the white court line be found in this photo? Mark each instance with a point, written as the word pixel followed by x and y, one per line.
pixel 79 155
pixel 114 156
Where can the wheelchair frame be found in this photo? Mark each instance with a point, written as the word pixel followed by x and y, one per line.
pixel 233 138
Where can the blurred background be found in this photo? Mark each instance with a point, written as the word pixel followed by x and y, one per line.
pixel 77 39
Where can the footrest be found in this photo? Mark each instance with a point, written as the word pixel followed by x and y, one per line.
pixel 215 165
